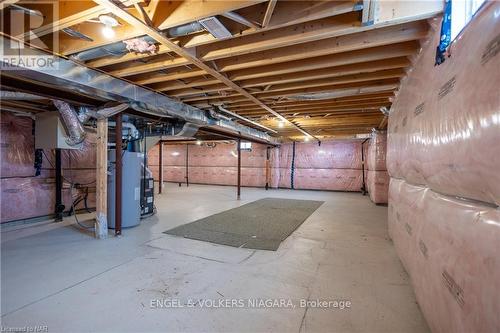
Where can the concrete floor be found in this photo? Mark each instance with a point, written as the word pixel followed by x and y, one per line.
pixel 57 276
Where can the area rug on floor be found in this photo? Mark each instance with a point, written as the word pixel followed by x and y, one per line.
pixel 260 225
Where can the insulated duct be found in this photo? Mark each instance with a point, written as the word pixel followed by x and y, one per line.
pixel 72 76
pixel 118 49
pixel 74 127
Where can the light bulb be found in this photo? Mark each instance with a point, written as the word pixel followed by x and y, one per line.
pixel 198 142
pixel 108 32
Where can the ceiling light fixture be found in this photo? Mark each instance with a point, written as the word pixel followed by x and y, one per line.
pixel 108 32
pixel 108 20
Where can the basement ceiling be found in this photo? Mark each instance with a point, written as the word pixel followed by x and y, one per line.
pixel 302 68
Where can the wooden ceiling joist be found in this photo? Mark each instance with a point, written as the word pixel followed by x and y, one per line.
pixel 154 33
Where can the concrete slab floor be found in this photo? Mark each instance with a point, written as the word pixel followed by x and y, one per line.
pixel 55 275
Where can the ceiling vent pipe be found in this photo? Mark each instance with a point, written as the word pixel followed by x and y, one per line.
pixel 73 126
pixel 119 49
pixel 73 121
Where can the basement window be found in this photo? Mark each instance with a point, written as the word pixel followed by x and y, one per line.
pixel 462 12
pixel 246 146
pixel 456 15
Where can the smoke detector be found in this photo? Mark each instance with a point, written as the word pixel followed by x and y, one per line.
pixel 215 28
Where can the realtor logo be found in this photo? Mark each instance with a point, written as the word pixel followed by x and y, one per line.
pixel 26 28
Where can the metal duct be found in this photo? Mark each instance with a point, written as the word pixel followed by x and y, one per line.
pixel 73 125
pixel 78 78
pixel 19 96
pixel 118 49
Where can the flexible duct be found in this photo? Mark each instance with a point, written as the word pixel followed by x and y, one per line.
pixel 120 48
pixel 70 119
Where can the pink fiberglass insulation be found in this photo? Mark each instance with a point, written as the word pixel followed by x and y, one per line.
pixel 212 164
pixel 377 183
pixel 377 178
pixel 26 196
pixel 444 126
pixel 377 151
pixel 328 179
pixel 335 165
pixel 330 155
pixel 17 146
pixel 450 248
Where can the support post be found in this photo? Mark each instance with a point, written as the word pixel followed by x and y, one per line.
pixel 160 176
pixel 363 188
pixel 101 223
pixel 59 207
pixel 187 164
pixel 239 169
pixel 118 175
pixel 268 167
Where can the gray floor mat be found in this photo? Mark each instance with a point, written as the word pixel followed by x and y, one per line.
pixel 261 225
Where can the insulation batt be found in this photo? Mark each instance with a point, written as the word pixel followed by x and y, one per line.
pixel 26 196
pixel 335 165
pixel 377 183
pixel 444 130
pixel 450 249
pixel 444 126
pixel 377 178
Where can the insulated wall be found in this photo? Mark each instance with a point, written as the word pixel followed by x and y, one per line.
pixel 443 159
pixel 212 163
pixel 24 195
pixel 335 165
pixel 377 178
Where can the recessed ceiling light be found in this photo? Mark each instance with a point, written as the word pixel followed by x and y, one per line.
pixel 108 20
pixel 108 32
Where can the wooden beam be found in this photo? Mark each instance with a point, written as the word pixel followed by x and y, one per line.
pixel 387 74
pixel 301 76
pixel 383 123
pixel 392 55
pixel 240 19
pixel 6 3
pixel 329 72
pixel 343 58
pixel 274 47
pixel 350 42
pixel 176 13
pixel 347 99
pixel 101 224
pixel 139 25
pixel 375 86
pixel 290 13
pixel 71 20
pixel 269 13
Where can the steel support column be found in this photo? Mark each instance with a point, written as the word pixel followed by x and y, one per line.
pixel 187 164
pixel 118 175
pixel 59 207
pixel 160 176
pixel 239 169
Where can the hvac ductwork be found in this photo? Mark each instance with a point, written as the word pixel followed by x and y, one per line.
pixel 74 127
pixel 120 48
pixel 72 76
